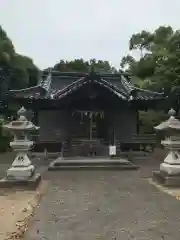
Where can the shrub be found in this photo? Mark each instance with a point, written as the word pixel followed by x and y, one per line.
pixel 4 139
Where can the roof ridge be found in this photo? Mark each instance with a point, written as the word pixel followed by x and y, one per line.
pixel 46 83
pixel 129 86
pixel 84 73
pixel 148 91
pixel 25 89
pixel 112 85
pixel 86 79
pixel 68 86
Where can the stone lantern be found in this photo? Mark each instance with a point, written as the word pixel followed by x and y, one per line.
pixel 22 169
pixel 169 173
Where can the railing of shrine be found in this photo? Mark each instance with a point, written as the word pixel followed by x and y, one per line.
pixel 144 142
pixel 141 142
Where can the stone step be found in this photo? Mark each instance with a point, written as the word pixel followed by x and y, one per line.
pixel 96 167
pixel 138 156
pixel 90 161
pixel 121 164
pixel 135 153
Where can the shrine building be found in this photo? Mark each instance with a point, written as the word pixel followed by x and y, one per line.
pixel 81 110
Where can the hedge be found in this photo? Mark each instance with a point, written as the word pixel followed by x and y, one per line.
pixel 4 140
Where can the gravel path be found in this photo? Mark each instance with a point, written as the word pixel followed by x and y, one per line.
pixel 89 205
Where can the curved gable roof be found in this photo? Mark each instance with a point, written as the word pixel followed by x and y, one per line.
pixel 84 80
pixel 55 85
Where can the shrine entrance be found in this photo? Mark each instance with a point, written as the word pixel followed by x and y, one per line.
pixel 89 125
pixel 88 133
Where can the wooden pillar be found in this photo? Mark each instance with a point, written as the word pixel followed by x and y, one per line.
pixel 35 119
pixel 90 127
pixel 69 124
pixel 114 128
pixel 34 108
pixel 111 127
pixel 137 122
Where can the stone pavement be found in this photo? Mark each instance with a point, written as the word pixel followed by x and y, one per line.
pixel 89 205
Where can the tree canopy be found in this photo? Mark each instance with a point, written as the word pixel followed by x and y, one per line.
pixel 80 65
pixel 16 71
pixel 158 66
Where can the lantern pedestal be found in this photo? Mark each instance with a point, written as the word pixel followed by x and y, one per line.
pixel 31 183
pixel 169 173
pixel 166 179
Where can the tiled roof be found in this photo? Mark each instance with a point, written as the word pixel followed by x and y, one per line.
pixel 32 92
pixel 84 80
pixel 56 85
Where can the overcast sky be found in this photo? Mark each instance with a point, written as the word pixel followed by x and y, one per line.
pixel 50 30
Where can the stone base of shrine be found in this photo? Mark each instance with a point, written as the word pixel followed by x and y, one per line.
pixel 29 184
pixel 166 180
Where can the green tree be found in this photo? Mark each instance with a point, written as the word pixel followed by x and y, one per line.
pixel 12 63
pixel 80 65
pixel 16 71
pixel 158 66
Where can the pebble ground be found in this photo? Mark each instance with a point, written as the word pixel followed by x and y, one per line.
pixel 89 205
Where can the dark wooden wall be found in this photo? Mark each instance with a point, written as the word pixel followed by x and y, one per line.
pixel 58 125
pixel 125 122
pixel 54 125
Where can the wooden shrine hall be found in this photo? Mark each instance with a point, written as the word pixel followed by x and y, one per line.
pixel 86 112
